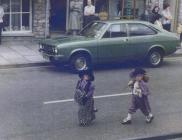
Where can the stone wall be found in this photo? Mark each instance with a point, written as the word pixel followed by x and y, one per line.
pixel 39 18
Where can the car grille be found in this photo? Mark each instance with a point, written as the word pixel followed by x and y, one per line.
pixel 48 49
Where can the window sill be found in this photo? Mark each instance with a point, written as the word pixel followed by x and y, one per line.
pixel 18 34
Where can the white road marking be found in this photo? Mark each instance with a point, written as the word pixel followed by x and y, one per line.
pixel 96 97
pixel 172 58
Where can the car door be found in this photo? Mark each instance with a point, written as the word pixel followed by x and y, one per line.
pixel 141 37
pixel 111 47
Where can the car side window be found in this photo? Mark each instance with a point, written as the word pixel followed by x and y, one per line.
pixel 136 29
pixel 116 30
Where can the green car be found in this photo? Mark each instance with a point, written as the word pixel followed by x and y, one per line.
pixel 111 41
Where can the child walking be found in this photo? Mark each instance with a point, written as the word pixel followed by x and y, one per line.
pixel 140 92
pixel 84 97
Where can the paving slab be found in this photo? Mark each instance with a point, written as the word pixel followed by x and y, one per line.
pixel 35 58
pixel 20 53
pixel 3 61
pixel 24 51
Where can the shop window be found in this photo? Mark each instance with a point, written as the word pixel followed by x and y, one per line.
pixel 130 9
pixel 17 16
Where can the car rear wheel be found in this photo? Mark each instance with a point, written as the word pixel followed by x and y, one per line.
pixel 155 58
pixel 80 62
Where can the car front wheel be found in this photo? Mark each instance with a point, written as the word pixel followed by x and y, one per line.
pixel 155 58
pixel 80 62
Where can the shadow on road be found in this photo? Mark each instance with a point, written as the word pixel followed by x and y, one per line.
pixel 110 66
pixel 99 67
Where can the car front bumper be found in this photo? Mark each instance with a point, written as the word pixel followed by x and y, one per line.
pixel 53 57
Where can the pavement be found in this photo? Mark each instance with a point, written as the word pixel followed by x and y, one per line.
pixel 20 53
pixel 25 53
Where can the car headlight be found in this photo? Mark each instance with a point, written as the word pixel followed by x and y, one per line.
pixel 56 50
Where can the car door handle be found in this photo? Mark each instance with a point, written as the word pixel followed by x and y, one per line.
pixel 125 40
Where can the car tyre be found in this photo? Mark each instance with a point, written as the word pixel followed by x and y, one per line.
pixel 155 58
pixel 80 62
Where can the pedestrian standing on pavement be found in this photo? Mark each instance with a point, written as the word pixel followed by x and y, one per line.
pixel 84 97
pixel 140 92
pixel 1 21
pixel 166 17
pixel 75 16
pixel 89 13
pixel 155 14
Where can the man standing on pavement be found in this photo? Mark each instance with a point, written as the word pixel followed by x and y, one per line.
pixel 89 13
pixel 1 21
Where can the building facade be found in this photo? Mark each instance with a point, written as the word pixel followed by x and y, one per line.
pixel 180 12
pixel 25 18
pixel 40 18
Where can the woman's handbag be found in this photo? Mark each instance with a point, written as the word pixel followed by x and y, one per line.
pixel 80 96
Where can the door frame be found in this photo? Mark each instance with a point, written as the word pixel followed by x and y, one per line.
pixel 66 16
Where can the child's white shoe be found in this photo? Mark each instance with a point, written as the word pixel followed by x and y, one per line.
pixel 126 121
pixel 149 118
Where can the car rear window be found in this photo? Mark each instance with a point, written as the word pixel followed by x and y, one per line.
pixel 136 29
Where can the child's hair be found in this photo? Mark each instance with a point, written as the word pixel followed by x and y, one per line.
pixel 139 71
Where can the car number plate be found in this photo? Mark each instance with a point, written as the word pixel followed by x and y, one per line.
pixel 45 56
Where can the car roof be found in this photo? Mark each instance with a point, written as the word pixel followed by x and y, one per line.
pixel 132 21
pixel 124 21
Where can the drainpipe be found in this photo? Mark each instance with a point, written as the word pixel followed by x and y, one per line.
pixel 67 14
pixel 47 19
pixel 176 14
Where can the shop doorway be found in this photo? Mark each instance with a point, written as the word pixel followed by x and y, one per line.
pixel 58 15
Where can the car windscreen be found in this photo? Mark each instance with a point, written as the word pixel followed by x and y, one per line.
pixel 93 30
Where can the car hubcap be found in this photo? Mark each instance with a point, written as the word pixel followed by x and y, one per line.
pixel 155 58
pixel 80 63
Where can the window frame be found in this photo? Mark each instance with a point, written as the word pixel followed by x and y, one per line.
pixel 10 13
pixel 110 33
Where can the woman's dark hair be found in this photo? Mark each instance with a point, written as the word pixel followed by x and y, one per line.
pixel 166 5
pixel 153 10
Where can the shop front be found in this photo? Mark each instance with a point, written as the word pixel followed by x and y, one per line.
pixel 40 18
pixel 126 9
